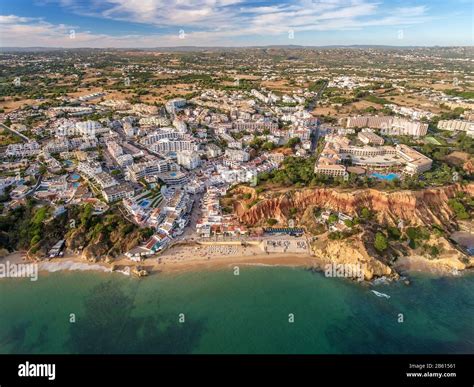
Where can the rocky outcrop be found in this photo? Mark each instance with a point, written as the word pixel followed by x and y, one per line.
pixel 468 166
pixel 351 253
pixel 103 246
pixel 450 261
pixel 423 207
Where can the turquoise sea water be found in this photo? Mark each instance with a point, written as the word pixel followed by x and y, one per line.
pixel 224 313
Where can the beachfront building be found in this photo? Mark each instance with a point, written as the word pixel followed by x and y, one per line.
pixel 337 152
pixel 416 162
pixel 178 203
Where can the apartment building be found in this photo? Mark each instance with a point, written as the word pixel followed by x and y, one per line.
pixel 370 138
pixel 57 145
pixel 166 145
pixel 237 155
pixel 118 192
pixel 404 127
pixel 90 169
pixel 252 126
pixel 90 128
pixel 124 160
pixel 104 180
pixel 31 148
pixel 173 105
pixel 180 126
pixel 188 159
pixel 150 168
pixel 163 134
pixel 374 122
pixel 212 151
pixel 174 178
pixel 154 121
pixel 72 111
pixel 457 125
pixel 304 134
pixel 388 125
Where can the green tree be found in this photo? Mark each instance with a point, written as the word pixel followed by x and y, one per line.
pixel 365 213
pixel 292 142
pixel 349 223
pixel 86 214
pixel 272 222
pixel 380 243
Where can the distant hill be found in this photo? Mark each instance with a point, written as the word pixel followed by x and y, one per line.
pixel 214 48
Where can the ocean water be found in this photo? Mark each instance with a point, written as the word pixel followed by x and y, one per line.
pixel 223 313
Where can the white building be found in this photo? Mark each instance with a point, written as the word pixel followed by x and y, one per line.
pixel 370 138
pixel 149 169
pixel 31 148
pixel 212 151
pixel 118 192
pixel 237 155
pixel 173 105
pixel 180 126
pixel 457 125
pixel 189 159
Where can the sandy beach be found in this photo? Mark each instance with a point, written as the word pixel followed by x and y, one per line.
pixel 194 257
pixel 176 260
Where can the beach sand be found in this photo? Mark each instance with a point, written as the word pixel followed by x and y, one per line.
pixel 176 260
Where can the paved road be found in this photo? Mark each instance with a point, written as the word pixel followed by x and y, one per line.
pixel 315 100
pixel 22 136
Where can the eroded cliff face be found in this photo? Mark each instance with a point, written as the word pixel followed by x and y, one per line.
pixel 352 253
pixel 424 207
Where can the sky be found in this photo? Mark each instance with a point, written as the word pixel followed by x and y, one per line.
pixel 169 23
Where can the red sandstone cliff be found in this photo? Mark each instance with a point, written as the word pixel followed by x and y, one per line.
pixel 429 206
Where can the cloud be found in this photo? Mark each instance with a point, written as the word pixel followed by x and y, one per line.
pixel 13 19
pixel 205 22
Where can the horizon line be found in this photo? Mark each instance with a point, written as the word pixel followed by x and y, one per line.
pixel 235 47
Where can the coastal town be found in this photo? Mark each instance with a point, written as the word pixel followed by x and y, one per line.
pixel 291 180
pixel 188 155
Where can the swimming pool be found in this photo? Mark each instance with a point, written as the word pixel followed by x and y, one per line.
pixel 145 203
pixel 75 176
pixel 387 177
